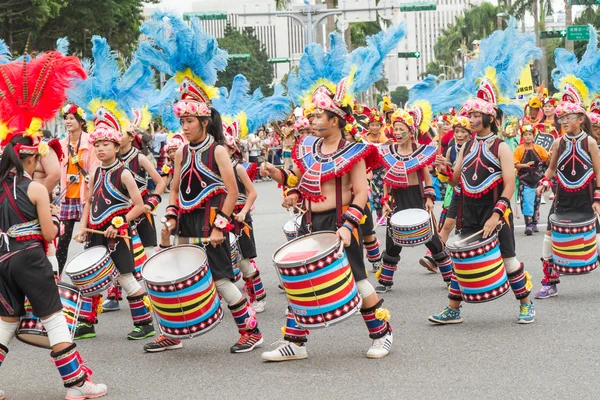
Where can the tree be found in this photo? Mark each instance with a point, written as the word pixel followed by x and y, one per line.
pixel 257 69
pixel 589 16
pixel 399 95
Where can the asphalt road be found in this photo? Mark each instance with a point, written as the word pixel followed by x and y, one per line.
pixel 489 356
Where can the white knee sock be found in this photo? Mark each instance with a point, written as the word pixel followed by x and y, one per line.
pixel 247 268
pixel 7 331
pixel 547 247
pixel 230 293
pixel 365 288
pixel 511 264
pixel 57 328
pixel 129 284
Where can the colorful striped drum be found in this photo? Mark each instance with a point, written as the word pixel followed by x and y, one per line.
pixel 318 281
pixel 92 270
pixel 235 256
pixel 290 229
pixel 32 331
pixel 139 256
pixel 478 267
pixel 410 227
pixel 182 292
pixel 574 248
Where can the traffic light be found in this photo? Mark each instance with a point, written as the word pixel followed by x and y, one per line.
pixel 419 6
pixel 410 54
pixel 553 34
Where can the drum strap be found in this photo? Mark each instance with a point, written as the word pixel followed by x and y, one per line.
pixel 338 201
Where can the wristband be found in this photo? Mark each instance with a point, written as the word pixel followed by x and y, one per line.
pixel 501 206
pixel 348 226
pixel 120 225
pixel 56 221
pixel 354 215
pixel 597 195
pixel 221 221
pixel 385 199
pixel 289 192
pixel 153 201
pixel 545 182
pixel 429 192
pixel 172 211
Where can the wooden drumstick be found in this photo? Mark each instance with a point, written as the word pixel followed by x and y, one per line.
pixel 378 220
pixel 243 222
pixel 301 211
pixel 102 233
pixel 340 253
pixel 165 222
pixel 598 217
pixel 474 235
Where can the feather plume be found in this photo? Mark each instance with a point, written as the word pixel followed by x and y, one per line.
pixel 62 45
pixel 5 55
pixel 236 99
pixel 441 97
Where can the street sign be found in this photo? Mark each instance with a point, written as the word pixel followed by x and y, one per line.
pixel 553 34
pixel 584 2
pixel 418 6
pixel 578 32
pixel 205 16
pixel 279 60
pixel 410 54
pixel 243 57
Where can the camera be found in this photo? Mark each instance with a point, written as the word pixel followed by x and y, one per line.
pixel 73 178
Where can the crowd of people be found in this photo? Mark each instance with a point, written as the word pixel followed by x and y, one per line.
pixel 344 168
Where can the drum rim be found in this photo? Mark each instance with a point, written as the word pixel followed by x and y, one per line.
pixel 205 264
pixel 483 242
pixel 107 252
pixel 412 210
pixel 554 222
pixel 308 260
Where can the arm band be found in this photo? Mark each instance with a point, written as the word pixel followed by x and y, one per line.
pixel 172 212
pixel 429 192
pixel 153 201
pixel 501 206
pixel 354 215
pixel 597 195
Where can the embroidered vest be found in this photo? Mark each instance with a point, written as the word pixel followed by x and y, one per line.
pixel 530 176
pixel 19 225
pixel 400 166
pixel 242 198
pixel 317 168
pixel 574 170
pixel 481 171
pixel 132 163
pixel 110 197
pixel 200 179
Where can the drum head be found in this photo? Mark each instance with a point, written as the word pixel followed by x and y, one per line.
pixel 473 243
pixel 174 264
pixel 85 259
pixel 410 217
pixel 305 249
pixel 38 340
pixel 570 219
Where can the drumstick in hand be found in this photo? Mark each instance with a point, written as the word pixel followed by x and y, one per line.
pixel 301 211
pixel 380 219
pixel 474 235
pixel 340 253
pixel 243 222
pixel 102 233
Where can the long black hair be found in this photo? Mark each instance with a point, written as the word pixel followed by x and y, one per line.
pixel 487 121
pixel 586 126
pixel 11 159
pixel 215 126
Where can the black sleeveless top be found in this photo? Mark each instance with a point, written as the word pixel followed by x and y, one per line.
pixel 481 171
pixel 132 163
pixel 110 197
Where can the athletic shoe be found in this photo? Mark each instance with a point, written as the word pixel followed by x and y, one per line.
pixel 429 263
pixel 527 313
pixel 448 316
pixel 110 305
pixel 286 351
pixel 84 331
pixel 141 332
pixel 88 390
pixel 535 228
pixel 376 266
pixel 383 289
pixel 382 221
pixel 259 305
pixel 162 343
pixel 381 347
pixel 529 230
pixel 546 291
pixel 247 342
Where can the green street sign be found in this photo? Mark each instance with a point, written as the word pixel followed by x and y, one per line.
pixel 243 57
pixel 410 54
pixel 578 32
pixel 584 2
pixel 553 34
pixel 205 16
pixel 419 6
pixel 279 60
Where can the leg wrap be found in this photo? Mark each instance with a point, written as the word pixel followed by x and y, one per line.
pixel 90 308
pixel 7 332
pixel 3 353
pixel 551 275
pixel 454 290
pixel 115 292
pixel 292 332
pixel 139 256
pixel 247 267
pixel 520 282
pixel 140 310
pixel 70 366
pixel 365 289
pixel 228 291
pixel 57 328
pixel 444 264
pixel 373 251
pixel 129 284
pixel 254 287
pixel 244 316
pixel 386 273
pixel 376 319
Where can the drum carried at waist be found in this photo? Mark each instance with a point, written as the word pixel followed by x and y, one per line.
pixel 92 270
pixel 290 229
pixel 236 257
pixel 411 227
pixel 317 280
pixel 182 291
pixel 32 331
pixel 478 267
pixel 574 247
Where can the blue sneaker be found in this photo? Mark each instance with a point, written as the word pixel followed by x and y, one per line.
pixel 110 305
pixel 448 316
pixel 527 314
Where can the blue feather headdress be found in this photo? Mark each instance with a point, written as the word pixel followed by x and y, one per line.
pixel 579 80
pixel 110 95
pixel 5 56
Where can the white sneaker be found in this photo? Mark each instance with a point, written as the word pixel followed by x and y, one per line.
pixel 381 347
pixel 259 305
pixel 285 351
pixel 88 390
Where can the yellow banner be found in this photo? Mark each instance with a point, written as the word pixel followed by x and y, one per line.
pixel 525 85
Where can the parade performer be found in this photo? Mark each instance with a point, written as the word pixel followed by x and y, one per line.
pixel 485 168
pixel 407 184
pixel 528 157
pixel 335 193
pixel 575 159
pixel 114 201
pixel 595 122
pixel 243 114
pixel 204 190
pixel 31 94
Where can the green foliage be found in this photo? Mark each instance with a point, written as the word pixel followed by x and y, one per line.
pixel 591 16
pixel 400 95
pixel 257 69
